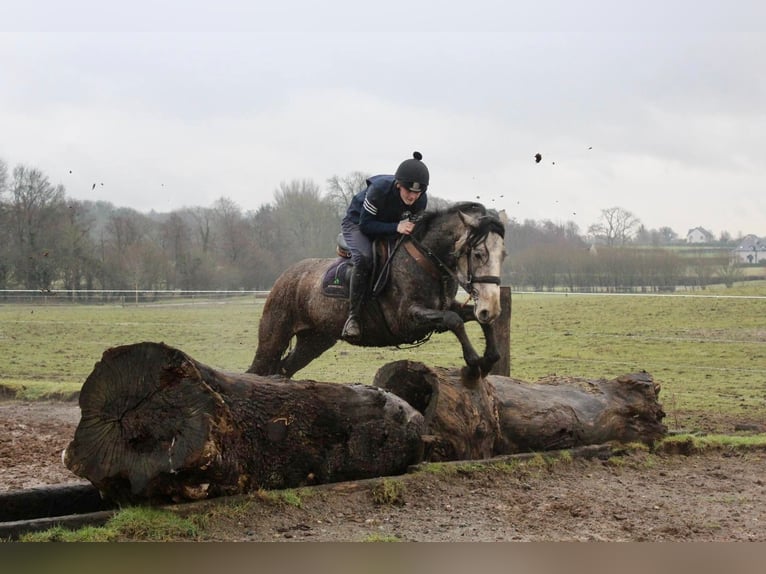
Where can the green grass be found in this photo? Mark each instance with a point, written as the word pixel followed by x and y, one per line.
pixel 134 523
pixel 389 492
pixel 287 497
pixel 708 353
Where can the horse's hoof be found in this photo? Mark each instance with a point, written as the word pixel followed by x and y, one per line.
pixel 486 364
pixel 470 375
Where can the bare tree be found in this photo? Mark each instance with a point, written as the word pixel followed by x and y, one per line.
pixel 341 190
pixel 5 229
pixel 35 209
pixel 76 250
pixel 3 178
pixel 667 235
pixel 125 235
pixel 231 229
pixel 176 244
pixel 307 223
pixel 203 223
pixel 616 227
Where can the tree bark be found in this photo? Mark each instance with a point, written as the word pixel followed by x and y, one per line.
pixel 481 418
pixel 156 425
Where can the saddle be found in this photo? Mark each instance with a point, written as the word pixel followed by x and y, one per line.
pixel 335 282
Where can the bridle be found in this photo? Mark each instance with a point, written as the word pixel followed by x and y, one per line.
pixel 477 236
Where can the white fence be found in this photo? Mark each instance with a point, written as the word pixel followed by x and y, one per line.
pixel 118 296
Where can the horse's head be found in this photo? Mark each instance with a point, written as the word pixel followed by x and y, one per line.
pixel 480 253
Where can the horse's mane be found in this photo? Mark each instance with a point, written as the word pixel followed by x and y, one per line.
pixel 489 220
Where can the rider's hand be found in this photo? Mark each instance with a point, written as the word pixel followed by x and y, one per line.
pixel 405 227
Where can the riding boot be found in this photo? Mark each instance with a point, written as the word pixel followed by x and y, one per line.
pixel 352 330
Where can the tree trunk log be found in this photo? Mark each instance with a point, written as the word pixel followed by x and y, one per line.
pixel 461 417
pixel 156 425
pixel 564 412
pixel 499 415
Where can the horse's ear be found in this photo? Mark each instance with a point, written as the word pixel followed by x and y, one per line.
pixel 503 216
pixel 469 220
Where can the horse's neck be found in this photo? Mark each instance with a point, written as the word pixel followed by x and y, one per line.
pixel 440 240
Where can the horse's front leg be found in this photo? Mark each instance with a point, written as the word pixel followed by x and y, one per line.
pixel 491 352
pixel 434 320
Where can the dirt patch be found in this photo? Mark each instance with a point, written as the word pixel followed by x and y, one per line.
pixel 32 438
pixel 717 495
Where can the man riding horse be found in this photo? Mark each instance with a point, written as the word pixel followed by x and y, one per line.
pixel 385 207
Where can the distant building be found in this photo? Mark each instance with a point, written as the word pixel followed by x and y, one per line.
pixel 751 249
pixel 699 235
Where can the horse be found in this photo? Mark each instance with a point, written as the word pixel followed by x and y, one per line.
pixel 459 246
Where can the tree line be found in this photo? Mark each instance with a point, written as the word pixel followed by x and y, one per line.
pixel 51 242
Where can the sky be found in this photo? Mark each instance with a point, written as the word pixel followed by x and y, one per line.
pixel 656 107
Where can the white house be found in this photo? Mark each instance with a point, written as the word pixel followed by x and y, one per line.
pixel 751 249
pixel 699 235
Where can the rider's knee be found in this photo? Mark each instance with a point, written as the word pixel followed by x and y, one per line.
pixel 363 263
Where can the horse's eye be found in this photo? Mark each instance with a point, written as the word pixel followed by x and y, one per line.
pixel 479 256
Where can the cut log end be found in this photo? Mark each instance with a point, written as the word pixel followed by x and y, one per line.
pixel 145 413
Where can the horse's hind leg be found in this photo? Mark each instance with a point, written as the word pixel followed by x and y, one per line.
pixel 271 346
pixel 308 346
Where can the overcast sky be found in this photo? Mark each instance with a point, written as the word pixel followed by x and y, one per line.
pixel 657 107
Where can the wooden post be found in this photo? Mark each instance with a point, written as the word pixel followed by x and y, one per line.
pixel 503 334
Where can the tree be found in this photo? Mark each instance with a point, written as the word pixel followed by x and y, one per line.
pixel 307 224
pixel 616 226
pixel 126 234
pixel 76 252
pixel 655 237
pixel 341 190
pixel 175 241
pixel 730 272
pixel 36 207
pixel 667 235
pixel 230 229
pixel 3 177
pixel 5 229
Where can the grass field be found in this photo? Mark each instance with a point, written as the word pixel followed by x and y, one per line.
pixel 707 350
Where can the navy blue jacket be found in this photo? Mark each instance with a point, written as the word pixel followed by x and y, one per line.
pixel 379 208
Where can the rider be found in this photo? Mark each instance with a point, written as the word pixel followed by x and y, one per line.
pixel 384 207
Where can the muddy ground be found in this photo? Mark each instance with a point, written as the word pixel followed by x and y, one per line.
pixel 716 496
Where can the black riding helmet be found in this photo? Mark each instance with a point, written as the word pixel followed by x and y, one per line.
pixel 413 173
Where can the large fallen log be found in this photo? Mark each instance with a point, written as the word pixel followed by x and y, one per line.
pixel 467 418
pixel 156 425
pixel 561 412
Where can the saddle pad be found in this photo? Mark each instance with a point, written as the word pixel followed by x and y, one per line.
pixel 335 280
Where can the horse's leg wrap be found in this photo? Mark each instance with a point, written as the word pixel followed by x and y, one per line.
pixel 358 287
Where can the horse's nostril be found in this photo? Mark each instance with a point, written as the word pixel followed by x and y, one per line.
pixel 483 316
